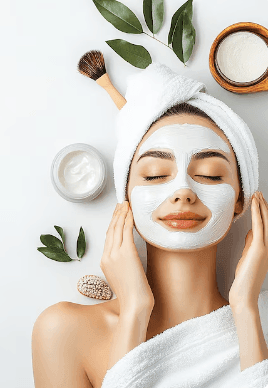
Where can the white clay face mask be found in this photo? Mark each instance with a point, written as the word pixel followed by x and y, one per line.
pixel 184 140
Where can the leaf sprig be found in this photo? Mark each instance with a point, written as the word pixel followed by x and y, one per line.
pixel 55 249
pixel 181 36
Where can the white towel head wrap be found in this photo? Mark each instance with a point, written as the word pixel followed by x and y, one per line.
pixel 153 91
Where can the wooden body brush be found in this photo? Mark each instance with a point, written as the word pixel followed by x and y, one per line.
pixel 92 65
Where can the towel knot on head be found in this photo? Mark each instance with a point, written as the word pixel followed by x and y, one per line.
pixel 159 81
pixel 150 93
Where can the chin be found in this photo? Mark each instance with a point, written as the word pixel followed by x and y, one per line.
pixel 180 250
pixel 183 250
pixel 177 250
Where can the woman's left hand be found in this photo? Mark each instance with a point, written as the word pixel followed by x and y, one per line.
pixel 253 265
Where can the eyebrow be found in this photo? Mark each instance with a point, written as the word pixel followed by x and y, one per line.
pixel 157 154
pixel 170 156
pixel 211 153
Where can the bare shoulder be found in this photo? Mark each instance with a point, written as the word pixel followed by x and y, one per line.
pixel 82 332
pixel 97 324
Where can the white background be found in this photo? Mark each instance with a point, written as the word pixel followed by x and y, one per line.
pixel 47 104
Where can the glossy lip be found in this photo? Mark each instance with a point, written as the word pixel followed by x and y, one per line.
pixel 188 215
pixel 182 220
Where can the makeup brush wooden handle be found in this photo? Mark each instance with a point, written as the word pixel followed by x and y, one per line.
pixel 105 82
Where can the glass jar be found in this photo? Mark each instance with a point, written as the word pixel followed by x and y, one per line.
pixel 78 173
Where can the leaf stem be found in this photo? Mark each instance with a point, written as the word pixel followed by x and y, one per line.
pixel 157 40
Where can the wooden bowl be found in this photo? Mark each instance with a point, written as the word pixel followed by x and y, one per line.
pixel 261 84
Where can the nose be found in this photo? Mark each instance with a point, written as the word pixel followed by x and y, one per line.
pixel 185 195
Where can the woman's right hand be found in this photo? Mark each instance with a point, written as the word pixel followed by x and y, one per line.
pixel 121 264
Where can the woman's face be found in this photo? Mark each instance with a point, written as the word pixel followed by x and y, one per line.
pixel 174 171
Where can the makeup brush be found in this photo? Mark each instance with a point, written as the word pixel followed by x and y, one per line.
pixel 92 65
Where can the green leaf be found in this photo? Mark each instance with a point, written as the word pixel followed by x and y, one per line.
pixel 56 254
pixel 81 244
pixel 51 241
pixel 136 55
pixel 177 43
pixel 189 35
pixel 178 18
pixel 61 232
pixel 183 36
pixel 119 15
pixel 153 11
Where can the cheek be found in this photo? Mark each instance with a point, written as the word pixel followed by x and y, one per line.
pixel 219 199
pixel 146 199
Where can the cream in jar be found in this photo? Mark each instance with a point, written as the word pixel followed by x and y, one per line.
pixel 242 57
pixel 78 173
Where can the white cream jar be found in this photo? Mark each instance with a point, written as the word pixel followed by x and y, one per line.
pixel 78 173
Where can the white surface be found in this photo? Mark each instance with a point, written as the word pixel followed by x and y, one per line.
pixel 45 105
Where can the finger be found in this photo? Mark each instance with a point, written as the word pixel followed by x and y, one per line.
pixel 257 224
pixel 249 237
pixel 248 241
pixel 264 214
pixel 128 228
pixel 114 217
pixel 118 230
pixel 110 230
pixel 266 204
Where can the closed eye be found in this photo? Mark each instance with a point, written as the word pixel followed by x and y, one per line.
pixel 154 177
pixel 214 178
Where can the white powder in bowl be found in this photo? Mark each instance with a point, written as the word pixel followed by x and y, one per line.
pixel 242 56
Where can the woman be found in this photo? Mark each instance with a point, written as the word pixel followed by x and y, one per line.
pixel 165 324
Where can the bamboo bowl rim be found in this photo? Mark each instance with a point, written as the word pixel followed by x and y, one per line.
pixel 260 84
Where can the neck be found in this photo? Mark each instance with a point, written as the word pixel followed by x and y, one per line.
pixel 184 285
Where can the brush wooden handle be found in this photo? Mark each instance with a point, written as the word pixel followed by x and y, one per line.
pixel 105 82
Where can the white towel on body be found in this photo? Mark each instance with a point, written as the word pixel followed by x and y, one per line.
pixel 200 352
pixel 149 94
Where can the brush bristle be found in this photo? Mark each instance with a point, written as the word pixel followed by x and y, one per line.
pixel 92 64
